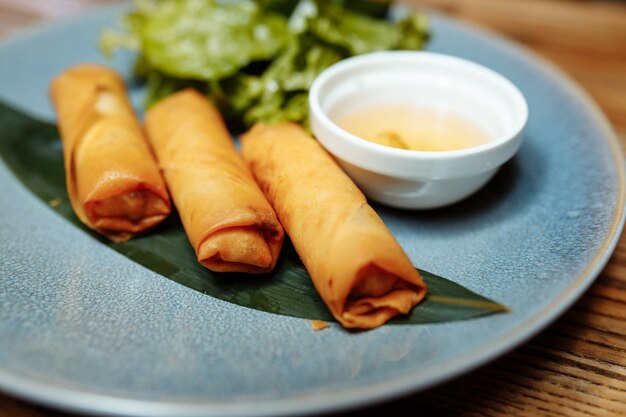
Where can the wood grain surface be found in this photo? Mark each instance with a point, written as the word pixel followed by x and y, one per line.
pixel 577 367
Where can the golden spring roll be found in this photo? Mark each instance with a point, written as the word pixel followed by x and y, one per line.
pixel 228 220
pixel 112 179
pixel 356 265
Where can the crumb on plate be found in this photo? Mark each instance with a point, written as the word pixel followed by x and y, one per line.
pixel 318 325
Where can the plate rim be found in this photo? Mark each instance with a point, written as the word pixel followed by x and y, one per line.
pixel 309 403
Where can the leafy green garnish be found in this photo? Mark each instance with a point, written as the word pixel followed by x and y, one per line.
pixel 255 60
pixel 204 39
pixel 357 33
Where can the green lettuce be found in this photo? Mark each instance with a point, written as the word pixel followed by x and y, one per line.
pixel 255 59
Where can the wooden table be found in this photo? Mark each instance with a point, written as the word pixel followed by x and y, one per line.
pixel 577 367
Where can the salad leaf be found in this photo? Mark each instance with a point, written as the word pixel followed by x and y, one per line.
pixel 414 31
pixel 373 8
pixel 255 60
pixel 206 40
pixel 280 93
pixel 357 33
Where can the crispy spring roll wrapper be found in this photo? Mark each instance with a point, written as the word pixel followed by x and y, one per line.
pixel 112 179
pixel 228 220
pixel 356 265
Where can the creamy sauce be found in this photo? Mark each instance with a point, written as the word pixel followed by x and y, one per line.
pixel 406 127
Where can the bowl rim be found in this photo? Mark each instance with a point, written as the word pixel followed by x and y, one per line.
pixel 317 115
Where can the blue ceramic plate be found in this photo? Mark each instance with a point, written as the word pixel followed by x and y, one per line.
pixel 84 328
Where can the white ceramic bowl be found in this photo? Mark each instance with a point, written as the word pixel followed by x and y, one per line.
pixel 417 179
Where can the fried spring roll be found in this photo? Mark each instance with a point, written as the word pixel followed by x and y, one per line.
pixel 113 182
pixel 356 265
pixel 228 220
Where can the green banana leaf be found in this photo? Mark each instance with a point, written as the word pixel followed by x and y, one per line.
pixel 32 150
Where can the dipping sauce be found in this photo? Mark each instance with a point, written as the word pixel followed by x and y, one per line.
pixel 418 129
